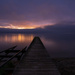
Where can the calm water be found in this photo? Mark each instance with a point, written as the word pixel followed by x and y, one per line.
pixel 56 45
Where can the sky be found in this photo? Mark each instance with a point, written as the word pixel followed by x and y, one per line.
pixel 30 14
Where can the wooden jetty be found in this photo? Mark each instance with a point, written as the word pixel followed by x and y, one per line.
pixel 36 61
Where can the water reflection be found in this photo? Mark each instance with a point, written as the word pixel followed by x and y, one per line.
pixel 56 46
pixel 48 42
pixel 16 38
pixel 59 46
pixel 9 40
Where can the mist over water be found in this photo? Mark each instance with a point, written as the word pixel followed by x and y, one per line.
pixel 56 45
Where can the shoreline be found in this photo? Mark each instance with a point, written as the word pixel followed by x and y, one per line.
pixel 66 66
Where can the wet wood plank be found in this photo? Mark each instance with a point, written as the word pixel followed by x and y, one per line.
pixel 36 61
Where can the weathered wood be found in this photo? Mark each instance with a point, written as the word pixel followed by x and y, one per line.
pixel 12 48
pixel 9 49
pixel 36 61
pixel 9 56
pixel 13 57
pixel 12 51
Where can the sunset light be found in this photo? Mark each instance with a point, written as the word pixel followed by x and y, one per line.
pixel 17 27
pixel 30 26
pixel 37 37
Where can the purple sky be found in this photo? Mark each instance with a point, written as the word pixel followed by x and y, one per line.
pixel 28 14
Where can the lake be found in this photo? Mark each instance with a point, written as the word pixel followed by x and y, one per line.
pixel 56 45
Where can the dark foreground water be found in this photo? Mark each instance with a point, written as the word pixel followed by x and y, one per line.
pixel 56 45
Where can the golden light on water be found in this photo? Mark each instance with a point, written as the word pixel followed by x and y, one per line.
pixel 17 38
pixel 20 37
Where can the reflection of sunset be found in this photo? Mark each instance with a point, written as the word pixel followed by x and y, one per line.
pixel 20 37
pixel 17 38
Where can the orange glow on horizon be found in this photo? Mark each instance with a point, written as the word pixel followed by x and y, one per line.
pixel 16 27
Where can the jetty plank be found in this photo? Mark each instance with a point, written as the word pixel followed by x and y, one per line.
pixel 36 61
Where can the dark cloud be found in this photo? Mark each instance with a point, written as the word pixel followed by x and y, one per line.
pixel 37 11
pixel 63 24
pixel 62 29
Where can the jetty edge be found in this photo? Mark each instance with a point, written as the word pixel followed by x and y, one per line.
pixel 36 61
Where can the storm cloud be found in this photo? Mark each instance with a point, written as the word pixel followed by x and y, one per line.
pixel 36 12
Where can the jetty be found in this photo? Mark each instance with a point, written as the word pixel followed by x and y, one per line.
pixel 36 61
